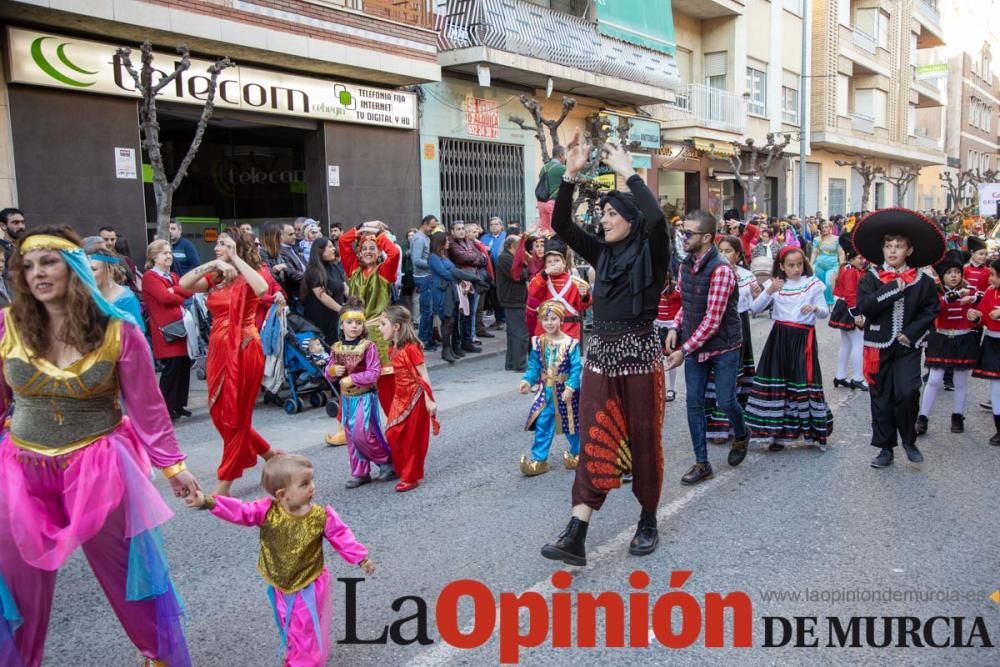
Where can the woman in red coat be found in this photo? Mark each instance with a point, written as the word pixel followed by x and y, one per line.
pixel 164 298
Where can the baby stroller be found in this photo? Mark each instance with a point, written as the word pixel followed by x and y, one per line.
pixel 199 311
pixel 305 373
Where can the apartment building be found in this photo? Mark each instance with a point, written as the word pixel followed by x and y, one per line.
pixel 739 63
pixel 970 130
pixel 611 58
pixel 868 86
pixel 311 121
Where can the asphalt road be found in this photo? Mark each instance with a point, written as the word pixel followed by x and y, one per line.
pixel 819 525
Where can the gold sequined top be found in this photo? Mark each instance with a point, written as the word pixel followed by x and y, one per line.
pixel 60 410
pixel 291 548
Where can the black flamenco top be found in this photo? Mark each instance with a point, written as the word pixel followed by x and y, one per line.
pixel 630 273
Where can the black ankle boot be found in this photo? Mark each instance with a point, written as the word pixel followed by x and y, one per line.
pixel 995 440
pixel 646 535
pixel 570 547
pixel 957 423
pixel 921 426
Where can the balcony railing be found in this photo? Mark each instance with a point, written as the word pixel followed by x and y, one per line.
pixel 929 7
pixel 524 28
pixel 701 106
pixel 862 123
pixel 411 12
pixel 865 41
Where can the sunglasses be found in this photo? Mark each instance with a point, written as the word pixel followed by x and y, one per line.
pixel 686 233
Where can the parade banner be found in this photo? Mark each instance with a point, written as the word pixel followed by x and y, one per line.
pixel 79 65
pixel 989 198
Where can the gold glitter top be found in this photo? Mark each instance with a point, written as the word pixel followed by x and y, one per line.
pixel 291 547
pixel 60 410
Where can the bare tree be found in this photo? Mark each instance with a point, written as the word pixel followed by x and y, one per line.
pixel 956 186
pixel 164 187
pixel 541 124
pixel 754 176
pixel 867 171
pixel 902 181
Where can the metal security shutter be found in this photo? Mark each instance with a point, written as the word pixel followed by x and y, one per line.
pixel 715 64
pixel 837 197
pixel 480 179
pixel 812 188
pixel 857 190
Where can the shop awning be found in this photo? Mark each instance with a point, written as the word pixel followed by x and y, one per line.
pixel 720 148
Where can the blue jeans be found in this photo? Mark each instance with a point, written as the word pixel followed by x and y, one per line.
pixel 726 367
pixel 425 287
pixel 468 324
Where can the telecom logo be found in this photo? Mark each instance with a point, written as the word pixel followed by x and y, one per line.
pixel 49 68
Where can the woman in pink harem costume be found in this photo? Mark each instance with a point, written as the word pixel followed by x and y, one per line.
pixel 74 471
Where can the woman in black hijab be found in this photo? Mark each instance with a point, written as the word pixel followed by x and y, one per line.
pixel 621 402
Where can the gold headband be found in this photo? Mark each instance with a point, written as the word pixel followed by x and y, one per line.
pixel 553 307
pixel 47 242
pixel 352 314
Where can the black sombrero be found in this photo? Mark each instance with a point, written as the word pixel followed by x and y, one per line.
pixel 926 237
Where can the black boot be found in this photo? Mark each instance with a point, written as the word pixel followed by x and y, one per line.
pixel 446 352
pixel 921 426
pixel 570 548
pixel 995 440
pixel 884 458
pixel 957 423
pixel 646 536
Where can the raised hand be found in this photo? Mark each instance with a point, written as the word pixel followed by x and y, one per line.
pixel 576 155
pixel 618 159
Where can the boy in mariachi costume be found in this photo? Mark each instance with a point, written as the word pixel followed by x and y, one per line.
pixel 554 366
pixel 899 303
pixel 556 283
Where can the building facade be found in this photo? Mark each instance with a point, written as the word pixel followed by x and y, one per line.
pixel 867 90
pixel 312 120
pixel 476 161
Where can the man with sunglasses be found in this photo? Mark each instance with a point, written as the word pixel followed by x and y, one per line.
pixel 710 336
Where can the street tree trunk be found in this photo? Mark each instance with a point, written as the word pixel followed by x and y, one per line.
pixel 164 187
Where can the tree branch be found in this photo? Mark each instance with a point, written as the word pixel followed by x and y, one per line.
pixel 206 113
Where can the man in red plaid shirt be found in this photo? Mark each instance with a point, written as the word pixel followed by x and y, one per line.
pixel 710 335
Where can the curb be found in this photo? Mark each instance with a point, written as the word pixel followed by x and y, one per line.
pixel 440 363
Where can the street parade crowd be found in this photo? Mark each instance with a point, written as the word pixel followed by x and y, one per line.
pixel 598 314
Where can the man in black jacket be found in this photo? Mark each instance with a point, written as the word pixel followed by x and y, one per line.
pixel 899 303
pixel 513 297
pixel 295 268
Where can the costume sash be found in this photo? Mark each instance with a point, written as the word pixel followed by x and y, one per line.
pixel 561 295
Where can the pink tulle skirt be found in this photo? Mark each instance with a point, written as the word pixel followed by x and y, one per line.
pixel 53 504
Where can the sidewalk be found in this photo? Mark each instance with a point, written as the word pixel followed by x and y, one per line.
pixel 492 348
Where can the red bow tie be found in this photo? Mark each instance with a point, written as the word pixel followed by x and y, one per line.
pixel 907 276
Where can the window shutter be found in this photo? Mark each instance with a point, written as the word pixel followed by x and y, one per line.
pixel 715 64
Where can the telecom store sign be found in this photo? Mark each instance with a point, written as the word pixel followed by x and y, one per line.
pixel 55 61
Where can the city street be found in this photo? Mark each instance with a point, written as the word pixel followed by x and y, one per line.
pixel 794 523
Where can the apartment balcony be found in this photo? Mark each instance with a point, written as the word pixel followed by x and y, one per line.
pixel 704 113
pixel 862 123
pixel 709 9
pixel 927 15
pixel 525 44
pixel 861 49
pixel 858 135
pixel 928 93
pixel 921 139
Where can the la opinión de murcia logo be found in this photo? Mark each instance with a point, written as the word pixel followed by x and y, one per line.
pixel 636 618
pixel 43 64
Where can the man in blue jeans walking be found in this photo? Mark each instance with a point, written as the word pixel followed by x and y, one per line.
pixel 420 249
pixel 710 336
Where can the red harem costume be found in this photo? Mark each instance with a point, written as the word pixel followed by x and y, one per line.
pixel 374 286
pixel 75 472
pixel 291 562
pixel 564 288
pixel 409 430
pixel 234 369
